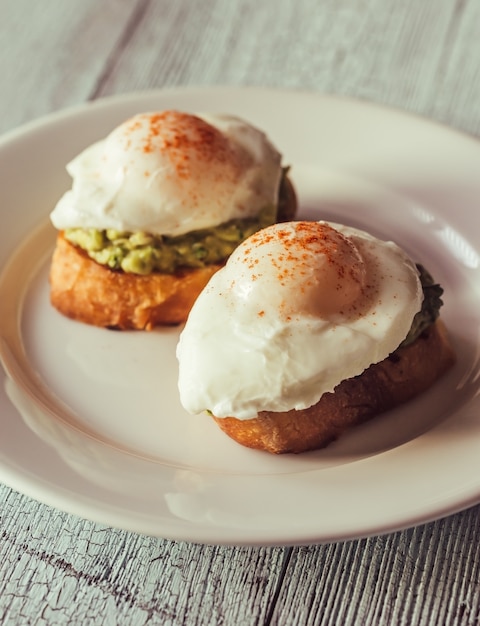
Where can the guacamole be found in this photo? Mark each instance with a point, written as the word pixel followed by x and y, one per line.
pixel 143 253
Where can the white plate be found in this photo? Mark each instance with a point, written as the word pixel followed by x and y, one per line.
pixel 90 418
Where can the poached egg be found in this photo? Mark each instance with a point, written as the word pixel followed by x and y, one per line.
pixel 168 173
pixel 298 308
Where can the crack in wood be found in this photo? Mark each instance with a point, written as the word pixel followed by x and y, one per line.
pixel 278 589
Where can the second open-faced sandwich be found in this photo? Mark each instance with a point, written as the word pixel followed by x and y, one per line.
pixel 155 210
pixel 310 328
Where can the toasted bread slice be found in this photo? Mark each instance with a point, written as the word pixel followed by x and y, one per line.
pixel 406 373
pixel 92 293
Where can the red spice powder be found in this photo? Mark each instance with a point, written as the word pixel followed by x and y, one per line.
pixel 183 136
pixel 292 260
pixel 298 246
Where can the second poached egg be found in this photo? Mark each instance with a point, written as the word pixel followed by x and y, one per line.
pixel 298 308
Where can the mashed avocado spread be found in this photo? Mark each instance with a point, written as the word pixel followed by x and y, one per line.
pixel 143 253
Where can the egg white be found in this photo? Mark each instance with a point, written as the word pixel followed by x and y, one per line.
pixel 169 173
pixel 257 342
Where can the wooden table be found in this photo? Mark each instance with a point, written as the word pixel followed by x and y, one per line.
pixel 421 57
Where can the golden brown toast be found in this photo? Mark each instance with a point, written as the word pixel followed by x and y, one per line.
pixel 406 373
pixel 92 293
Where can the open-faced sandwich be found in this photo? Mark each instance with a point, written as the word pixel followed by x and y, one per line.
pixel 309 329
pixel 155 209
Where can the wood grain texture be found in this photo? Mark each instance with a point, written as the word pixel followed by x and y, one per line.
pixel 425 575
pixel 58 569
pixel 424 57
pixel 410 55
pixel 54 53
pixel 456 82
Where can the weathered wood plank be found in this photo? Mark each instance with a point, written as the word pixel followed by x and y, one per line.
pixel 426 575
pixel 58 569
pixel 55 52
pixel 411 55
pixel 456 83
